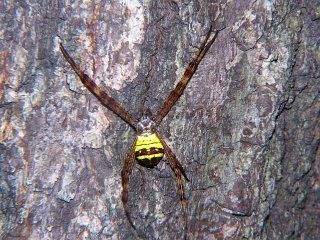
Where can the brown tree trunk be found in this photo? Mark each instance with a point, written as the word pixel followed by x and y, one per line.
pixel 246 128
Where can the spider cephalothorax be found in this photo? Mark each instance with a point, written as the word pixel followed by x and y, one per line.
pixel 146 124
pixel 149 147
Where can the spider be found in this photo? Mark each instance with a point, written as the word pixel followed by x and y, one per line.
pixel 148 147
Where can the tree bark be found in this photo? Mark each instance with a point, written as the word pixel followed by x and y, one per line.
pixel 246 129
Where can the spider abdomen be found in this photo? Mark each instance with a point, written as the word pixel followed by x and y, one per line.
pixel 148 150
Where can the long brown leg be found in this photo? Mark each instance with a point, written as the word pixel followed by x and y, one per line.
pixel 178 171
pixel 98 92
pixel 176 168
pixel 177 92
pixel 125 175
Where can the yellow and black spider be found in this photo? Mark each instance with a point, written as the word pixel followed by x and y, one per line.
pixel 149 147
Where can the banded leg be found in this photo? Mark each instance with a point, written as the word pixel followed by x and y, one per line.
pixel 177 169
pixel 125 175
pixel 98 92
pixel 177 92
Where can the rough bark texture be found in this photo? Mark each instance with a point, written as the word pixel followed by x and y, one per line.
pixel 246 128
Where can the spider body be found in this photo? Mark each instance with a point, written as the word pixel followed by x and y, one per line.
pixel 149 147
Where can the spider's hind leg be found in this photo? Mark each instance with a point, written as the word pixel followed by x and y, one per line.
pixel 179 172
pixel 125 175
pixel 177 169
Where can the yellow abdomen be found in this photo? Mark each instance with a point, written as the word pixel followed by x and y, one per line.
pixel 148 150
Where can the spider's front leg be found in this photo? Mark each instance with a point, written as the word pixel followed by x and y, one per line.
pixel 107 101
pixel 191 69
pixel 177 169
pixel 125 175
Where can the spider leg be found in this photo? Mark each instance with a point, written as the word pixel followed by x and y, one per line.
pixel 191 69
pixel 97 91
pixel 125 174
pixel 177 169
